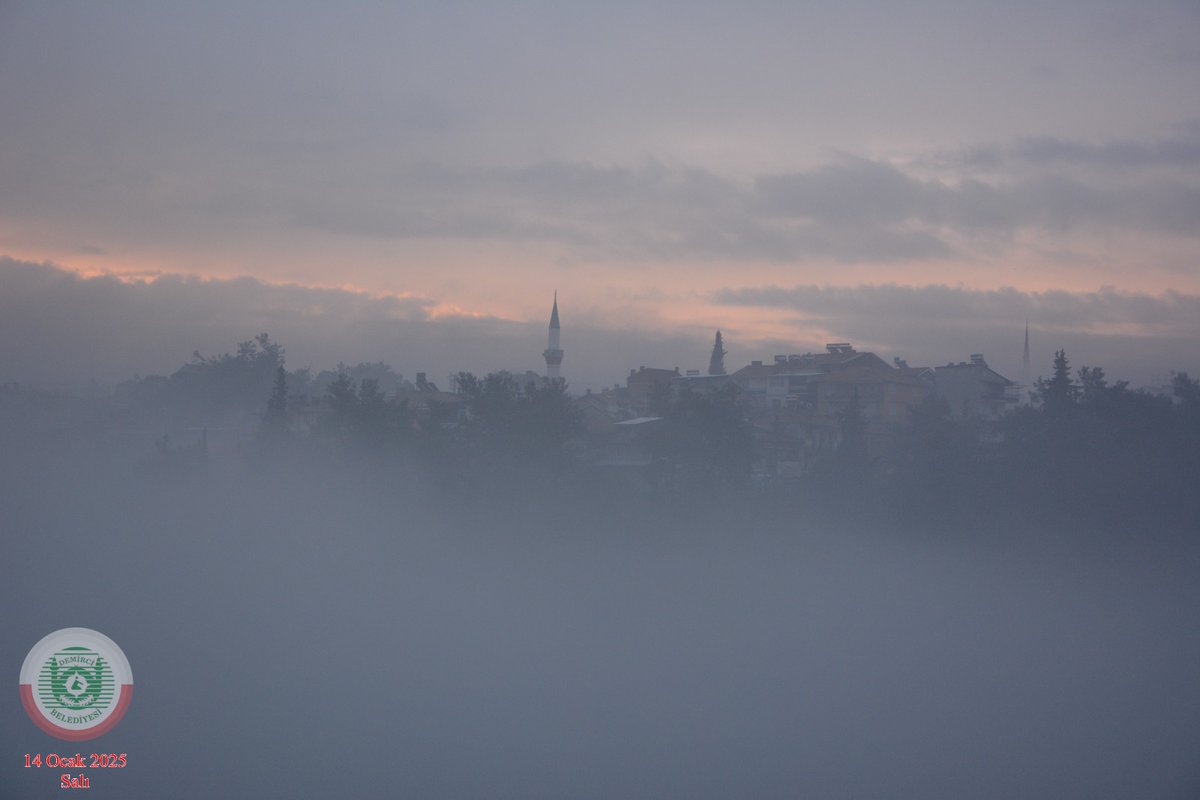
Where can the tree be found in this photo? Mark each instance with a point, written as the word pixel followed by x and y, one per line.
pixel 226 383
pixel 1058 394
pixel 1186 390
pixel 705 440
pixel 513 427
pixel 342 395
pixel 1099 397
pixel 274 423
pixel 361 415
pixel 716 363
pixel 1092 382
pixel 1186 438
pixel 932 451
pixel 277 404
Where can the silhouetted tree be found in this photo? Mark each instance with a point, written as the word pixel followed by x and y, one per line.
pixel 1098 452
pixel 277 404
pixel 1186 390
pixel 1186 438
pixel 380 372
pixel 342 395
pixel 274 424
pixel 705 440
pixel 226 383
pixel 362 415
pixel 514 429
pixel 1058 393
pixel 933 452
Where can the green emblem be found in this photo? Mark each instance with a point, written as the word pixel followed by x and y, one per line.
pixel 77 679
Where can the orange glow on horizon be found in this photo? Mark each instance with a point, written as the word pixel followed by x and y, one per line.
pixel 668 297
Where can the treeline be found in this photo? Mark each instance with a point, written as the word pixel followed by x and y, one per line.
pixel 1099 450
pixel 1087 451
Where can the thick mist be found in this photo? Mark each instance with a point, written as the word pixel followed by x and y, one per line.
pixel 603 401
pixel 302 631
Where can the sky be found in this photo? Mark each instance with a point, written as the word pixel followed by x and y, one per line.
pixel 414 182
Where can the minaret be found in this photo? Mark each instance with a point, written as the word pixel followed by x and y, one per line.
pixel 1025 361
pixel 553 353
pixel 1025 357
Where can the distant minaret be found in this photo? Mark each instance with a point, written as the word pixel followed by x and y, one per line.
pixel 553 353
pixel 1025 357
pixel 1025 363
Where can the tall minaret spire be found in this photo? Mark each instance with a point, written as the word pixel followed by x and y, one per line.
pixel 553 353
pixel 1025 359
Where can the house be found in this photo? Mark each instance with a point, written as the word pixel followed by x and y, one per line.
pixel 973 390
pixel 884 395
pixel 642 381
pixel 800 401
pixel 791 380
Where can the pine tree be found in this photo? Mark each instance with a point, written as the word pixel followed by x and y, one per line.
pixel 1059 392
pixel 716 364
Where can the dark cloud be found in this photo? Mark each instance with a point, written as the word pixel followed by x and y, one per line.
pixel 1124 154
pixel 970 204
pixel 221 127
pixel 652 211
pixel 855 210
pixel 61 330
pixel 1180 151
pixel 874 195
pixel 853 192
pixel 1168 312
pixel 649 209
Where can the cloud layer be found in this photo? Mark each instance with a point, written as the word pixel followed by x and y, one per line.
pixel 1135 336
pixel 60 329
pixel 392 147
pixel 851 210
pixel 1102 312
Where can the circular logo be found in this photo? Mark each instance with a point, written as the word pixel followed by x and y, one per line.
pixel 76 684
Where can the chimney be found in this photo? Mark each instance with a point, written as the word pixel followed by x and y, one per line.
pixel 977 358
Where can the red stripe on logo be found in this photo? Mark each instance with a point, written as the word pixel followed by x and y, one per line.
pixel 75 735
